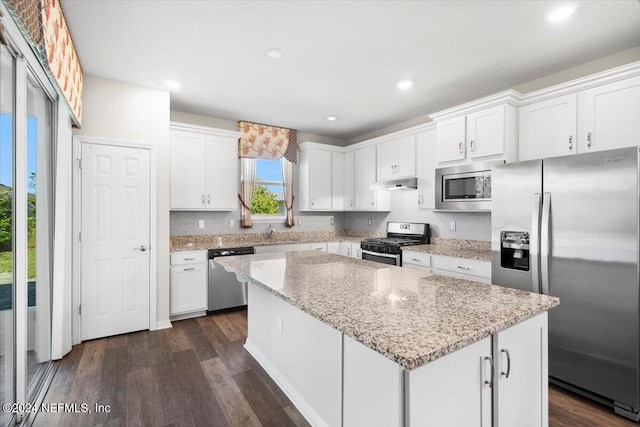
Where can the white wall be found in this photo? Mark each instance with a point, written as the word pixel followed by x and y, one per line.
pixel 124 112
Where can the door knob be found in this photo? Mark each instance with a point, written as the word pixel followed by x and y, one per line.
pixel 142 248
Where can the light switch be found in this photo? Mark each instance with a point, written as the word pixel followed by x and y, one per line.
pixel 279 325
pixel 201 224
pixel 452 226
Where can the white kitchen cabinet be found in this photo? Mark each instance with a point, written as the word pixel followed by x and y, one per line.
pixel 337 181
pixel 367 199
pixel 319 247
pixel 548 128
pixel 427 163
pixel 486 129
pixel 463 268
pixel 349 181
pixel 189 282
pixel 516 387
pixel 351 249
pixel 334 247
pixel 416 260
pixel 521 374
pixel 437 391
pixel 608 116
pixel 396 158
pixel 204 169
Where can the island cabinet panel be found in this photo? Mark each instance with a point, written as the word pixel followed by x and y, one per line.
pixel 521 375
pixel 371 400
pixel 454 390
pixel 302 354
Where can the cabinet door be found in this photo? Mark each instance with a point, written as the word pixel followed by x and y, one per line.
pixel 188 288
pixel 319 182
pixel 334 247
pixel 188 171
pixel 426 177
pixel 356 251
pixel 485 132
pixel 454 390
pixel 349 181
pixel 609 116
pixel 387 160
pixel 337 181
pixel 345 248
pixel 547 128
pixel 396 158
pixel 222 191
pixel 521 384
pixel 365 175
pixel 451 139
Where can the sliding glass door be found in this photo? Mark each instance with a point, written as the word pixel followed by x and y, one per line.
pixel 7 286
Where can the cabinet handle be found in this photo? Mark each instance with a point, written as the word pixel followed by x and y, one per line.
pixel 373 203
pixel 351 203
pixel 506 374
pixel 419 199
pixel 464 268
pixel 359 254
pixel 189 259
pixel 203 198
pixel 589 140
pixel 208 199
pixel 348 251
pixel 312 202
pixel 189 269
pixel 472 147
pixel 415 259
pixel 460 147
pixel 570 142
pixel 489 382
pixel 318 249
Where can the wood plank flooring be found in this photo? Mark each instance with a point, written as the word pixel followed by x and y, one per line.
pixel 198 374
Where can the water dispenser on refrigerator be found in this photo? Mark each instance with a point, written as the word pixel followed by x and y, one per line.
pixel 514 250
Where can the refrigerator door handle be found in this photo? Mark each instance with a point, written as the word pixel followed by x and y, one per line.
pixel 545 242
pixel 534 251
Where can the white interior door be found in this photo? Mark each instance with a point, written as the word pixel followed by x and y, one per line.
pixel 115 240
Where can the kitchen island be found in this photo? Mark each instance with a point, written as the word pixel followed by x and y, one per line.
pixel 356 343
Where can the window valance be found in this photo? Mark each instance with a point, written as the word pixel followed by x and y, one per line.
pixel 258 141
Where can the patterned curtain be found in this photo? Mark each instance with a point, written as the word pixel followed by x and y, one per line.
pixel 287 173
pixel 247 178
pixel 259 141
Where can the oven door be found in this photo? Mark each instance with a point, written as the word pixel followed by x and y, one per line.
pixel 383 258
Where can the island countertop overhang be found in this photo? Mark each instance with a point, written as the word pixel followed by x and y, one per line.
pixel 411 317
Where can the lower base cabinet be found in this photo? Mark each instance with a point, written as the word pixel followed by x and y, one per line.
pixel 189 282
pixel 334 380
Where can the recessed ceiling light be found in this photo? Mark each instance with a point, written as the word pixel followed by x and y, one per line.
pixel 405 84
pixel 274 53
pixel 172 84
pixel 561 13
pixel 332 118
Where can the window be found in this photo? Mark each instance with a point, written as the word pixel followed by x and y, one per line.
pixel 268 190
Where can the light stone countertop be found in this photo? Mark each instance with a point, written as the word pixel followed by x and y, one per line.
pixel 409 316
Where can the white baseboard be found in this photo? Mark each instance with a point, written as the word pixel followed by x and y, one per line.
pixel 305 409
pixel 163 324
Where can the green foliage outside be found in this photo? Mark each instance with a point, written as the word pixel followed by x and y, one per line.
pixel 264 201
pixel 6 265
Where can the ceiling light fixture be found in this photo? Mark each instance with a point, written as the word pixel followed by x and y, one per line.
pixel 561 13
pixel 405 84
pixel 332 118
pixel 274 53
pixel 172 84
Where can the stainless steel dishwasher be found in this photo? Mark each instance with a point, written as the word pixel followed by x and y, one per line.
pixel 225 291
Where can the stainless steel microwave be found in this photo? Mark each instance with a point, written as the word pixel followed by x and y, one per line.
pixel 464 187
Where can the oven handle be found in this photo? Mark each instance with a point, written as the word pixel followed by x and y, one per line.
pixel 379 254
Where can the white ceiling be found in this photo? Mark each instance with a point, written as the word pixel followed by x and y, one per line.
pixel 339 57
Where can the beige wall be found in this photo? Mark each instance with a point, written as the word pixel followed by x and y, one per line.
pixel 124 112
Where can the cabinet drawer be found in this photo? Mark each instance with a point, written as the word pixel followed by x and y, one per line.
pixel 421 259
pixel 464 266
pixel 319 247
pixel 188 257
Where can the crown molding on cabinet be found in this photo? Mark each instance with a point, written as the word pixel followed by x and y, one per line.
pixel 204 129
pixel 511 97
pixel 598 79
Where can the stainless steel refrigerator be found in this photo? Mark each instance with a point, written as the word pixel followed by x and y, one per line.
pixel 568 226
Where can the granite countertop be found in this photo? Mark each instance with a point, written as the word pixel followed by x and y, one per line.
pixel 409 316
pixel 471 249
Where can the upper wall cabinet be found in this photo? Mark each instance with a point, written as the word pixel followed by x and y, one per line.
pixel 396 158
pixel 601 117
pixel 321 175
pixel 364 169
pixel 204 169
pixel 485 129
pixel 427 163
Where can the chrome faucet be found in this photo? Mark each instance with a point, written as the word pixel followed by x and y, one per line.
pixel 270 230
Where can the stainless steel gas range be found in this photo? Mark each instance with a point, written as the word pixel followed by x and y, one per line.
pixel 388 250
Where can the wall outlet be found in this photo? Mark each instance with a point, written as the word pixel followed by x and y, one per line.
pixel 201 224
pixel 452 226
pixel 232 223
pixel 332 221
pixel 370 222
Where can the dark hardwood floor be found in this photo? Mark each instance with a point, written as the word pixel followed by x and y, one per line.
pixel 198 374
